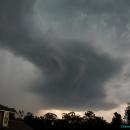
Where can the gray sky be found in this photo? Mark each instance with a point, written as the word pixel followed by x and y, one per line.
pixel 65 54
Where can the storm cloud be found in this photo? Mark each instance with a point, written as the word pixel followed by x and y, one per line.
pixel 72 43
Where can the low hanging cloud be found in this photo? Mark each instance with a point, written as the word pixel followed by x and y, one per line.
pixel 75 78
pixel 74 72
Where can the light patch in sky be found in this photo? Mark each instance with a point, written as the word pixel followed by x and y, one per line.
pixel 108 114
pixel 16 74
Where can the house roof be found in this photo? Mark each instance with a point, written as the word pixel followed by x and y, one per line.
pixel 5 108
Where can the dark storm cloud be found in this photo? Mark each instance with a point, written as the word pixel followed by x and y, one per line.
pixel 93 6
pixel 61 9
pixel 76 78
pixel 74 72
pixel 69 15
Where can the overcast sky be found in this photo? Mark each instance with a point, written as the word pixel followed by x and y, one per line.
pixel 65 54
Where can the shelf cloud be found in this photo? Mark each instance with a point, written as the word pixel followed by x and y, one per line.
pixel 78 46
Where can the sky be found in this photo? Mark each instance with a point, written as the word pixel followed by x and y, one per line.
pixel 65 55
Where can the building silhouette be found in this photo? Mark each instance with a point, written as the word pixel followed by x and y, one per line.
pixel 5 113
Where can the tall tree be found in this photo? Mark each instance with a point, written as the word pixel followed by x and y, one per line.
pixel 116 120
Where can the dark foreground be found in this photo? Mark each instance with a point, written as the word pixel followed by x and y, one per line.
pixel 69 121
pixel 17 125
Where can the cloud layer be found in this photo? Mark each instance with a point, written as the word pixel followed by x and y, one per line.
pixel 72 43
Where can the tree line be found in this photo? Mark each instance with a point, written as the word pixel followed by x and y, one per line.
pixel 71 121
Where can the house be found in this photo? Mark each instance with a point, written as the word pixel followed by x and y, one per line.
pixel 5 114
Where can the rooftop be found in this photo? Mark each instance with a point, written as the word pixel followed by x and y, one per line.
pixel 5 108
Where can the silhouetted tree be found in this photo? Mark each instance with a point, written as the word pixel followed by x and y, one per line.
pixel 20 114
pixel 48 120
pixel 50 116
pixel 90 121
pixel 61 124
pixel 69 121
pixel 29 118
pixel 72 119
pixel 116 120
pixel 89 115
pixel 127 114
